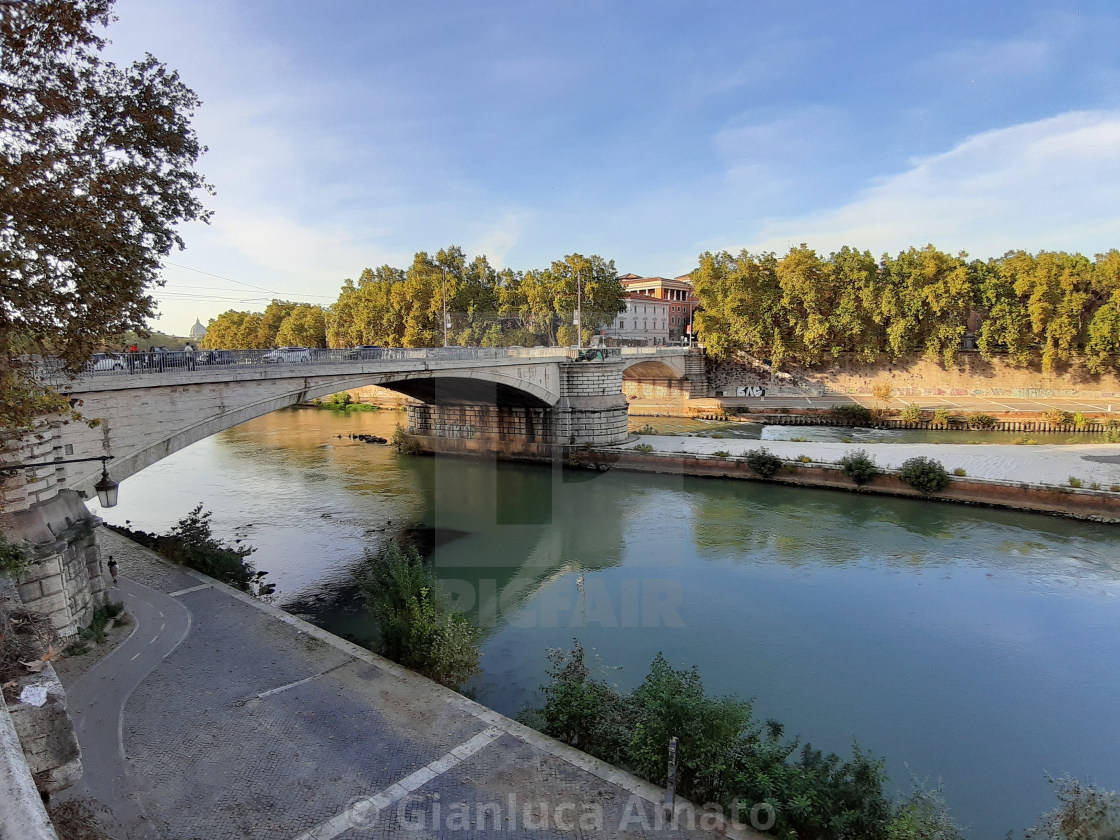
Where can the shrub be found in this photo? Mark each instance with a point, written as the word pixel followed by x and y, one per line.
pixel 647 429
pixel 882 391
pixel 926 475
pixel 804 459
pixel 192 543
pixel 1058 417
pixel 912 413
pixel 722 453
pixel 853 413
pixel 1074 482
pixel 923 816
pixel 1112 435
pixel 1080 421
pixel 342 398
pixel 859 466
pixel 717 436
pixel 960 471
pixel 415 625
pixel 644 448
pixel 1095 485
pixel 763 462
pixel 723 755
pixel 1115 488
pixel 1084 812
pixel 943 417
pixel 1023 440
pixel 980 421
pixel 405 443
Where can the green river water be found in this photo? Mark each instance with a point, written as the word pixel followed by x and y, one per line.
pixel 976 645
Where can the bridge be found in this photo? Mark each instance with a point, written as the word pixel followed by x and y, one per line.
pixel 515 402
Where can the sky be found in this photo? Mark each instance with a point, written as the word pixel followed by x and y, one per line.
pixel 346 134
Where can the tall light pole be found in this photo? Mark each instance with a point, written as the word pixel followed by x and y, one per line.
pixel 444 270
pixel 579 313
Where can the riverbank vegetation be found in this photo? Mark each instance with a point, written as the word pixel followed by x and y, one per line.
pixel 192 543
pixel 803 308
pixel 727 757
pixel 416 627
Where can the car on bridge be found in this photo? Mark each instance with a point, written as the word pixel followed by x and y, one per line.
pixel 363 351
pixel 105 361
pixel 287 354
pixel 214 357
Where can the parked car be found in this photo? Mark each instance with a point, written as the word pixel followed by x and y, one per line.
pixel 105 361
pixel 288 354
pixel 363 351
pixel 214 357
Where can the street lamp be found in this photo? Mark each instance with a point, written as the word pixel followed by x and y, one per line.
pixel 105 487
pixel 579 312
pixel 444 270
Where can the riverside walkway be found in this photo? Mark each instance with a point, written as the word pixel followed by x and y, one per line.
pixel 224 717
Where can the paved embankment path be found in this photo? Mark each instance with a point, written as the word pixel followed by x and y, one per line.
pixel 249 723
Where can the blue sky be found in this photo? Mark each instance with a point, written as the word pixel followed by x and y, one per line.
pixel 350 134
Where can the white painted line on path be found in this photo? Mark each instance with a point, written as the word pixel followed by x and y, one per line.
pixel 190 589
pixel 134 657
pixel 153 641
pixel 277 690
pixel 361 811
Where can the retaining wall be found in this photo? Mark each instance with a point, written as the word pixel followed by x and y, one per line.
pixel 1096 505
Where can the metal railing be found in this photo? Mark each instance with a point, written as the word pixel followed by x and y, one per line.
pixel 155 363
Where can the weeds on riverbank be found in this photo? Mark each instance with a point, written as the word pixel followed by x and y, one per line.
pixel 725 756
pixel 192 543
pixel 416 626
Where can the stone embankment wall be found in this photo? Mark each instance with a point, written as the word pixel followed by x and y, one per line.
pixel 918 377
pixel 376 395
pixel 1096 505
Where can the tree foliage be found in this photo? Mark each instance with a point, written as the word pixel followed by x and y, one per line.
pixel 97 164
pixel 804 309
pixel 926 475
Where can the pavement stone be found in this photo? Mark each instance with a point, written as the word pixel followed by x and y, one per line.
pixel 209 758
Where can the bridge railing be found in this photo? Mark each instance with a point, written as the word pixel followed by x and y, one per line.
pixel 155 363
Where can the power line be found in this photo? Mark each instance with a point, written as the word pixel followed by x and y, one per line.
pixel 241 282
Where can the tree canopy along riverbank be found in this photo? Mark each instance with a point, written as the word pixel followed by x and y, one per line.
pixel 98 167
pixel 804 308
pixel 395 307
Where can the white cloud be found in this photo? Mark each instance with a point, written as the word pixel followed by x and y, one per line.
pixel 1050 184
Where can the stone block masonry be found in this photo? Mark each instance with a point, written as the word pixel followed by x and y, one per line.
pixel 64 579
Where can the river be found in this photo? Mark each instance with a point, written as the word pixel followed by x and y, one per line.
pixel 978 646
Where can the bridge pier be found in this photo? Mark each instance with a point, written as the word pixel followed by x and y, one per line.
pixel 591 411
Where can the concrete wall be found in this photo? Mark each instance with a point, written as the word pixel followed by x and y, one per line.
pixel 915 377
pixel 1098 506
pixel 22 815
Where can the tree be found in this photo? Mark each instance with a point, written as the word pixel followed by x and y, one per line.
pixel 97 164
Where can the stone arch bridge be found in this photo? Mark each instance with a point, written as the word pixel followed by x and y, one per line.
pixel 518 402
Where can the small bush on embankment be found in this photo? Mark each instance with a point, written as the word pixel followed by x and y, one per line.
pixel 192 543
pixel 725 756
pixel 859 466
pixel 852 413
pixel 926 475
pixel 763 462
pixel 415 625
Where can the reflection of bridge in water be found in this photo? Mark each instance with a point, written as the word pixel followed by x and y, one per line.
pixel 516 402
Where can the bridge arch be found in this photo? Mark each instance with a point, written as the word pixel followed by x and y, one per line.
pixel 203 407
